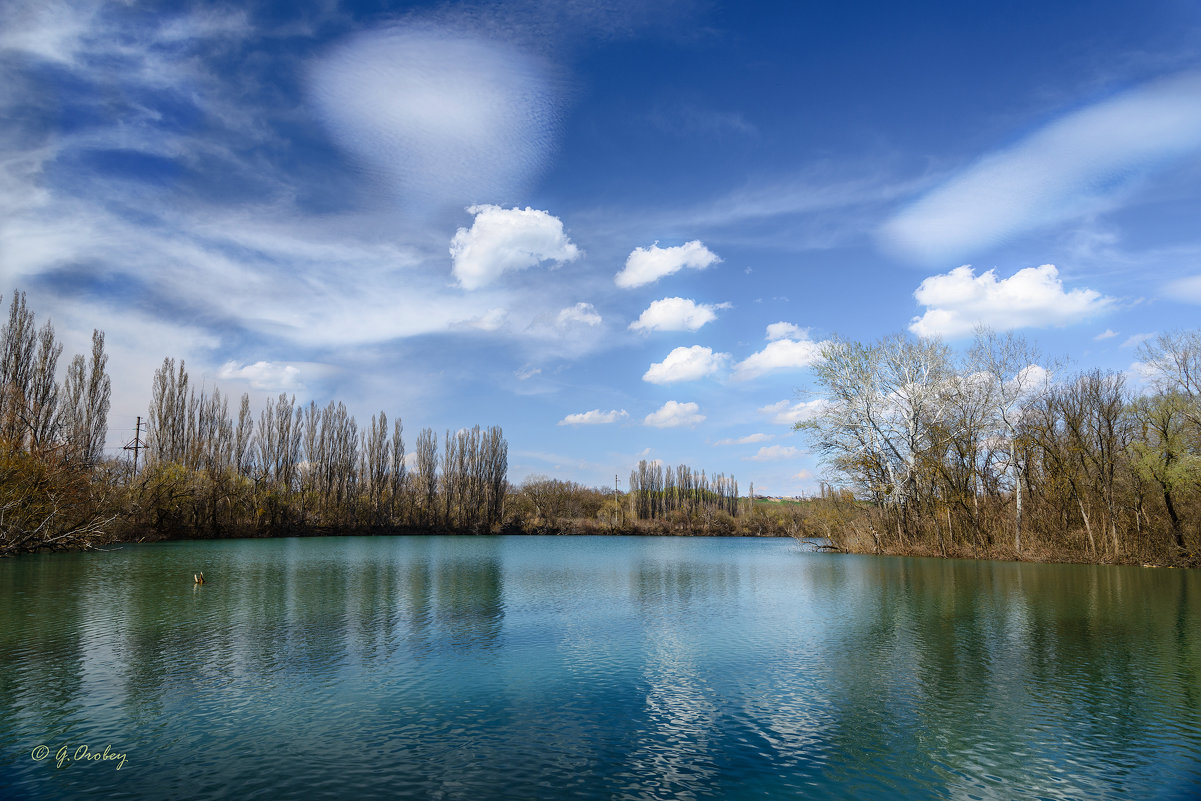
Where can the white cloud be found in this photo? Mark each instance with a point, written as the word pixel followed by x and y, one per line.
pixel 491 320
pixel 803 475
pixel 786 413
pixel 673 414
pixel 1033 377
pixel 647 265
pixel 594 417
pixel 271 376
pixel 526 373
pixel 445 117
pixel 1108 333
pixel 1185 289
pixel 1077 165
pixel 676 314
pixel 1141 374
pixel 786 331
pixel 749 439
pixel 958 301
pixel 505 240
pixel 46 29
pixel 580 313
pixel 1134 340
pixel 780 354
pixel 774 453
pixel 685 364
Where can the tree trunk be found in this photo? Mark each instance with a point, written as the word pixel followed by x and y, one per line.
pixel 1177 534
pixel 1092 543
pixel 1017 512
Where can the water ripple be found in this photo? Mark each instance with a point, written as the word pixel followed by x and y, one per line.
pixel 593 668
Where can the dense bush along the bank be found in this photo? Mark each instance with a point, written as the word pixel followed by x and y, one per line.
pixel 996 455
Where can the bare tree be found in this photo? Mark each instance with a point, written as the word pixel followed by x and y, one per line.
pixel 243 453
pixel 168 416
pixel 1014 376
pixel 377 461
pixel 16 370
pixel 884 407
pixel 398 478
pixel 427 472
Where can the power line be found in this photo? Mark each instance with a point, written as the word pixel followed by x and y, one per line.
pixel 136 444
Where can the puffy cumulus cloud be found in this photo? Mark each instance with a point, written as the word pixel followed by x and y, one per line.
pixel 780 353
pixel 594 417
pixel 803 475
pixel 1032 377
pixel 584 313
pixel 647 265
pixel 786 331
pixel 786 413
pixel 749 439
pixel 685 364
pixel 269 376
pixel 674 414
pixel 1076 166
pixel 774 453
pixel 960 300
pixel 505 240
pixel 676 314
pixel 443 116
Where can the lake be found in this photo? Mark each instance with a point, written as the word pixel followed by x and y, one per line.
pixel 591 668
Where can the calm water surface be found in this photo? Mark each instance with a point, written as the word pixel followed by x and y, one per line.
pixel 592 667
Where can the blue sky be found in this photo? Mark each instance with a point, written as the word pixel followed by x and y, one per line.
pixel 618 230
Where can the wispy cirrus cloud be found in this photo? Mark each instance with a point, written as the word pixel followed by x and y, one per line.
pixel 1078 165
pixel 192 193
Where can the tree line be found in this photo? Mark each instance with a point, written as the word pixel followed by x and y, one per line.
pixel 995 453
pixel 658 491
pixel 213 467
pixel 212 471
pixel 301 467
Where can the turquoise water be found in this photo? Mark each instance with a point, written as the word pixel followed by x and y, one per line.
pixel 591 667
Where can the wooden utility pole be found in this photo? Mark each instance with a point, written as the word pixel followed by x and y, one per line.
pixel 136 444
